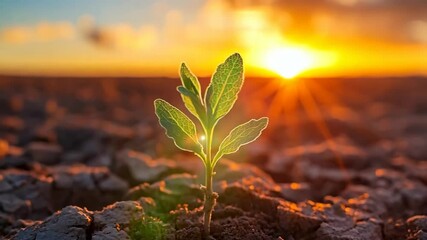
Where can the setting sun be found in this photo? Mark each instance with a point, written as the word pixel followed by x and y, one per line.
pixel 288 62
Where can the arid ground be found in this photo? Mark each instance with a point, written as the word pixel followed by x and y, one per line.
pixel 85 158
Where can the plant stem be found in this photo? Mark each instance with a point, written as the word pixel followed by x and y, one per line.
pixel 209 203
pixel 210 196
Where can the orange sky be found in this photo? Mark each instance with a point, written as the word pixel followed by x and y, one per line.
pixel 151 38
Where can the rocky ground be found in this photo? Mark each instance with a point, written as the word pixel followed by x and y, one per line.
pixel 86 159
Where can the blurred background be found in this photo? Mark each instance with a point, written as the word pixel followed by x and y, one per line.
pixel 313 38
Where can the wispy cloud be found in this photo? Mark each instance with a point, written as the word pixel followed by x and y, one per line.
pixel 212 26
pixel 41 32
pixel 418 29
pixel 118 36
pixel 378 20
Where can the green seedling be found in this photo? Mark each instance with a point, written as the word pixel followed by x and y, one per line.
pixel 219 98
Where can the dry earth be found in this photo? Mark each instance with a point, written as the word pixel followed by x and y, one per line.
pixel 86 159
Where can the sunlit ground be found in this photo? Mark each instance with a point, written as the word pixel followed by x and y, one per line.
pixel 286 93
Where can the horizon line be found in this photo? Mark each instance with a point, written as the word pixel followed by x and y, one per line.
pixel 207 77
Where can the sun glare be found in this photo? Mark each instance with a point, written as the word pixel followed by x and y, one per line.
pixel 288 62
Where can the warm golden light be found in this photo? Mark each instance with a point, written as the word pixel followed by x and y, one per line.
pixel 305 39
pixel 288 62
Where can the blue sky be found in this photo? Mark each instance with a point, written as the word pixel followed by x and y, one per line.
pixel 13 12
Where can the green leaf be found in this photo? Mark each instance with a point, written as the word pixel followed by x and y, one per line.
pixel 178 127
pixel 241 135
pixel 224 87
pixel 192 103
pixel 184 91
pixel 190 93
pixel 189 80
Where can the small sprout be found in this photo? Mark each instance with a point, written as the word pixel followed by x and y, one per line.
pixel 217 101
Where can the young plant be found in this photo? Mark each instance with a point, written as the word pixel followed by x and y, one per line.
pixel 217 101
